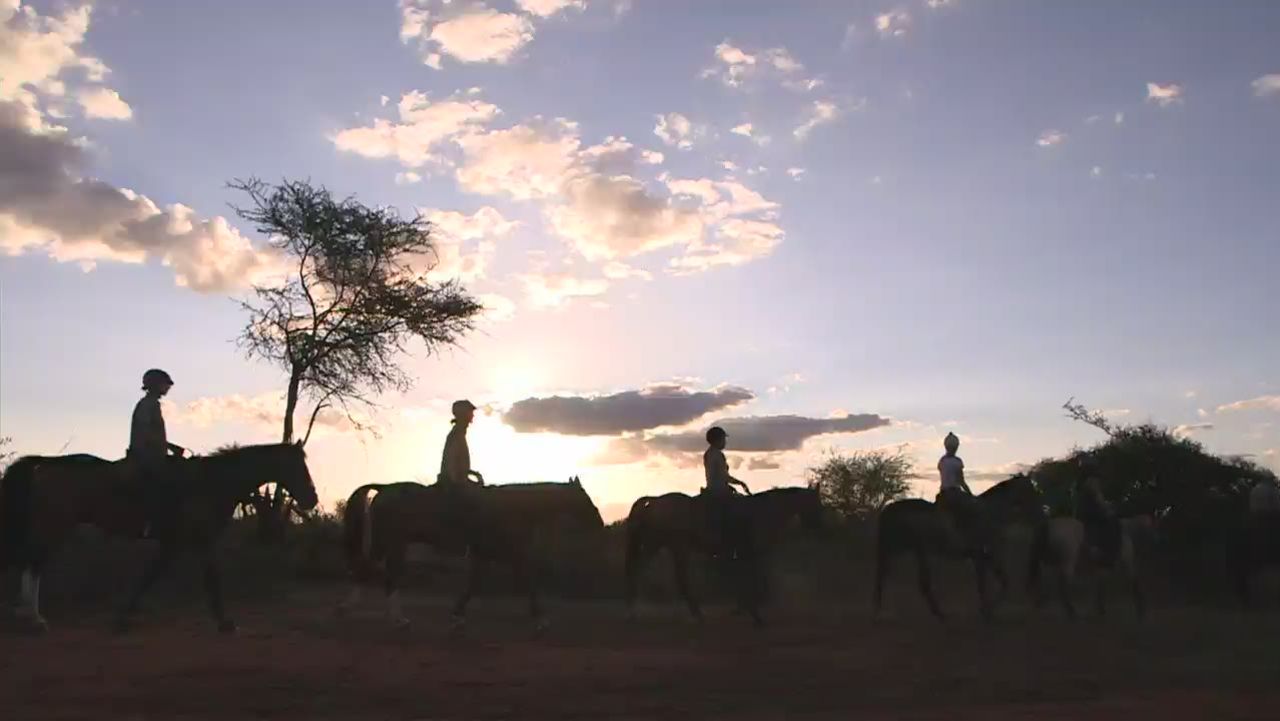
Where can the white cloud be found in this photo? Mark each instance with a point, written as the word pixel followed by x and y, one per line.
pixel 104 103
pixel 1189 429
pixel 465 244
pixel 524 161
pixel 265 410
pixel 747 130
pixel 893 23
pixel 1269 403
pixel 850 35
pixel 497 308
pixel 734 66
pixel 553 290
pixel 408 178
pixel 1267 85
pixel 1164 95
pixel 615 270
pixel 677 130
pixel 796 173
pixel 652 157
pixel 547 8
pixel 937 4
pixel 424 125
pixel 1050 138
pixel 1119 118
pixel 471 32
pixel 820 113
pixel 615 216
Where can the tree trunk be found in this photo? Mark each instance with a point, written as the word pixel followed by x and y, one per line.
pixel 274 519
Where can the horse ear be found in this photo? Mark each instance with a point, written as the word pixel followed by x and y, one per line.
pixel 298 443
pixel 576 481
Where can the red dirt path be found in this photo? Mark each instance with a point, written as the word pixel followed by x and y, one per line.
pixel 293 660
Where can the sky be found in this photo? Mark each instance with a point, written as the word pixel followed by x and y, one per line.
pixel 828 226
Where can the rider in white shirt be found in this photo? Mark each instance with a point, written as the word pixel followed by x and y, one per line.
pixel 955 497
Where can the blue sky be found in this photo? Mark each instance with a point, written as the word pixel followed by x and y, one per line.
pixel 950 215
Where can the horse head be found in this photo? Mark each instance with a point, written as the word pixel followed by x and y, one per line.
pixel 1017 496
pixel 580 509
pixel 286 465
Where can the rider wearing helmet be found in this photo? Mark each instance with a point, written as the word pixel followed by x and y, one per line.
pixel 719 491
pixel 1102 529
pixel 455 464
pixel 149 448
pixel 955 497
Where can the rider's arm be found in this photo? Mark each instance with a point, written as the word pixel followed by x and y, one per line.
pixel 177 450
pixel 737 482
pixel 479 478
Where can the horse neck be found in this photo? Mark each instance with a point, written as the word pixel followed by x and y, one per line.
pixel 237 474
pixel 778 506
pixel 537 504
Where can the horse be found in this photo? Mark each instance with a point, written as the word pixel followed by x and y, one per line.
pixel 1251 547
pixel 1060 542
pixel 487 523
pixel 44 498
pixel 678 522
pixel 923 528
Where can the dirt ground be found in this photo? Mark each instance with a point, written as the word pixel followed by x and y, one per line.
pixel 293 660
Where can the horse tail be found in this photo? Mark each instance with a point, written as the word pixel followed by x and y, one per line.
pixel 357 526
pixel 637 526
pixel 887 540
pixel 15 507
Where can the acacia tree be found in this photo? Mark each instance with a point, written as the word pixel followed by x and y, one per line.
pixel 356 294
pixel 858 485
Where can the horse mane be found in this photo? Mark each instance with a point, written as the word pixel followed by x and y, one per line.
pixel 237 451
pixel 1005 486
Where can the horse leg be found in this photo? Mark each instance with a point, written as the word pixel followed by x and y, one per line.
pixel 638 555
pixel 680 563
pixel 213 589
pixel 458 616
pixel 997 568
pixel 1135 586
pixel 540 622
pixel 884 560
pixel 29 598
pixel 391 586
pixel 1065 572
pixel 159 565
pixel 926 583
pixel 980 571
pixel 1100 593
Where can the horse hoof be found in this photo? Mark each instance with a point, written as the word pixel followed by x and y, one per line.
pixel 227 627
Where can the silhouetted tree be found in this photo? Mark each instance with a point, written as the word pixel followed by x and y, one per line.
pixel 859 484
pixel 355 294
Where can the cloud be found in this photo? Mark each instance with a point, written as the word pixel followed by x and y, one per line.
pixel 497 308
pixel 768 462
pixel 1050 138
pixel 553 290
pixel 266 411
pixel 796 173
pixel 465 244
pixel 408 178
pixel 424 127
pixel 104 103
pixel 1119 118
pixel 748 131
pixel 36 50
pixel 665 404
pixel 850 36
pixel 893 23
pixel 734 67
pixel 751 434
pixel 525 161
pixel 1188 429
pixel 547 8
pixel 1095 171
pixel 677 130
pixel 820 113
pixel 608 217
pixel 1164 95
pixel 938 4
pixel 1267 85
pixel 1267 403
pixel 467 32
pixel 47 205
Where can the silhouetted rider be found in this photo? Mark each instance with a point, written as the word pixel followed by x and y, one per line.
pixel 149 450
pixel 719 493
pixel 1102 529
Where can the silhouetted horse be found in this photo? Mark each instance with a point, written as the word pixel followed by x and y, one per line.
pixel 488 523
pixel 1251 547
pixel 680 523
pixel 917 526
pixel 1060 544
pixel 43 499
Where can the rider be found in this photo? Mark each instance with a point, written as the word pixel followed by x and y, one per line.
pixel 954 495
pixel 1101 525
pixel 149 449
pixel 719 491
pixel 455 463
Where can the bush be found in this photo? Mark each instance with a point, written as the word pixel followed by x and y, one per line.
pixel 858 485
